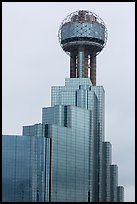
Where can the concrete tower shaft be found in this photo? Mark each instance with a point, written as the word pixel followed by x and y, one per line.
pixel 83 64
pixel 83 35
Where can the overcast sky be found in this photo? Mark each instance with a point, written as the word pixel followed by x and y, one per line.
pixel 33 61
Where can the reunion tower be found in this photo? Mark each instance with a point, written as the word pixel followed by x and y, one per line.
pixel 83 35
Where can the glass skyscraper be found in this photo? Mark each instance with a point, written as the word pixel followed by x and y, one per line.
pixel 65 158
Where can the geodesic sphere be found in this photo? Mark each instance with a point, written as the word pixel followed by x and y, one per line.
pixel 82 28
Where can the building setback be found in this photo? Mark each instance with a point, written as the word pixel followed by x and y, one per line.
pixel 65 158
pixel 120 194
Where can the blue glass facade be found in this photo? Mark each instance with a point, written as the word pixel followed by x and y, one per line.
pixel 79 92
pixel 70 154
pixel 106 162
pixel 113 182
pixel 34 130
pixel 64 159
pixel 120 194
pixel 25 168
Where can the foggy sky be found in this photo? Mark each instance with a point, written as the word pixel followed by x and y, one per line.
pixel 33 61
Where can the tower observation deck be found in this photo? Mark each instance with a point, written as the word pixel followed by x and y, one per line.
pixel 83 35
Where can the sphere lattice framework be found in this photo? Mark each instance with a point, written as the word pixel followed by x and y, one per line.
pixel 83 35
pixel 83 28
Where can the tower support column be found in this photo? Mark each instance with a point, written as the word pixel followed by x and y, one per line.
pixel 72 65
pixel 93 70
